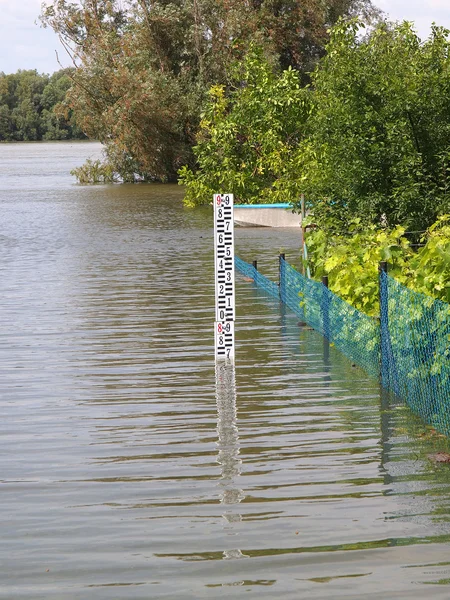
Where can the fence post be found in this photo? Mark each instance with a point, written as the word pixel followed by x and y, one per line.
pixel 325 307
pixel 384 324
pixel 255 273
pixel 281 272
pixel 326 319
pixel 303 213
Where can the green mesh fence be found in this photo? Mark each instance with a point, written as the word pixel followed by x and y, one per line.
pixel 354 333
pixel 408 347
pixel 415 343
pixel 260 280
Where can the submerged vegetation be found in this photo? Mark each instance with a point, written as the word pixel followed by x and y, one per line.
pixel 94 171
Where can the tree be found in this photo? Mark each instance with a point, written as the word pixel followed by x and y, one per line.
pixel 295 31
pixel 379 134
pixel 57 120
pixel 133 86
pixel 143 68
pixel 248 137
pixel 5 122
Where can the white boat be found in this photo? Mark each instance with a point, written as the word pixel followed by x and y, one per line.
pixel 266 215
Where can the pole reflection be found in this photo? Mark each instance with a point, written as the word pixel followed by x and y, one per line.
pixel 229 451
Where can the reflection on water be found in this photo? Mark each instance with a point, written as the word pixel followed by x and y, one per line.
pixel 126 471
pixel 228 443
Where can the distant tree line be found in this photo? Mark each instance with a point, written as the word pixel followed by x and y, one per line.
pixel 31 107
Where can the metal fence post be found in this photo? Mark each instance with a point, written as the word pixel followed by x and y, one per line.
pixel 384 325
pixel 303 231
pixel 326 318
pixel 325 307
pixel 281 273
pixel 255 273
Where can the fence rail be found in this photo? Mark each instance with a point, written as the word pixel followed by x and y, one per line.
pixel 407 347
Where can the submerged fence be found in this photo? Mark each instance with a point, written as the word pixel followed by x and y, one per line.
pixel 407 347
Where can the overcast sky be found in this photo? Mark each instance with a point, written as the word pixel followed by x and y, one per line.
pixel 25 45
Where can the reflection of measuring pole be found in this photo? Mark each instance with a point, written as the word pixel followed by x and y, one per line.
pixel 228 456
pixel 224 275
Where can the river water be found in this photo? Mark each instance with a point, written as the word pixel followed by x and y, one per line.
pixel 132 468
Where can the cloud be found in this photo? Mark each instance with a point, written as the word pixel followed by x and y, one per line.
pixel 23 43
pixel 423 14
pixel 440 4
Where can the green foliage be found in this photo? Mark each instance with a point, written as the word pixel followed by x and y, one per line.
pixel 30 107
pixel 351 261
pixel 379 135
pixel 370 139
pixel 248 135
pixel 144 68
pixel 431 265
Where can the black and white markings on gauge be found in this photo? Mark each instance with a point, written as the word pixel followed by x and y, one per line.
pixel 224 275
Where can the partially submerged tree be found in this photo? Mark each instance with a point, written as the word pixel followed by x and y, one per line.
pixel 143 68
pixel 130 89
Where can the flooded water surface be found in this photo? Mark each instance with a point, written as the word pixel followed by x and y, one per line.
pixel 133 467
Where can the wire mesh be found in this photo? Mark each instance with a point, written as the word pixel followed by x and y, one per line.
pixel 260 280
pixel 408 347
pixel 415 339
pixel 355 334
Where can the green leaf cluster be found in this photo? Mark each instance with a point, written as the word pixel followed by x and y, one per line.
pixel 351 261
pixel 248 134
pixel 431 265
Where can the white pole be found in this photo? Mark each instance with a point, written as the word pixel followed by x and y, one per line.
pixel 224 276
